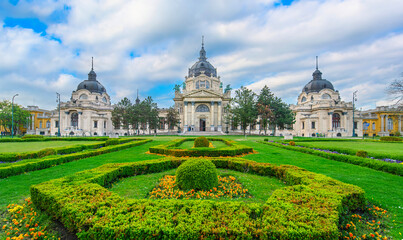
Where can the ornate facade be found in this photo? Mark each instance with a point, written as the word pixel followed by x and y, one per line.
pixel 88 113
pixel 202 100
pixel 320 111
pixel 383 121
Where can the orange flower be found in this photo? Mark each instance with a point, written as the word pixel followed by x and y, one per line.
pixel 351 235
pixel 372 235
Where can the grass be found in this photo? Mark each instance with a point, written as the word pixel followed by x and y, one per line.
pixel 35 146
pixel 189 144
pixel 382 189
pixel 259 187
pixel 370 147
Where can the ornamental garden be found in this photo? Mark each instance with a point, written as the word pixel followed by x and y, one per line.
pixel 227 187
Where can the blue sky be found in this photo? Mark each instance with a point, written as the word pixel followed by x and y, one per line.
pixel 46 46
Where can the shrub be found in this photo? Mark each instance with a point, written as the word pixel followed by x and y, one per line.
pixel 32 136
pixel 113 141
pixel 292 143
pixel 198 174
pixel 397 133
pixel 266 139
pixel 362 153
pixel 201 142
pixel 46 152
pixel 391 139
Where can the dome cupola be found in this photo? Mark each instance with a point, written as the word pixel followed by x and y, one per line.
pixel 317 83
pixel 202 66
pixel 92 83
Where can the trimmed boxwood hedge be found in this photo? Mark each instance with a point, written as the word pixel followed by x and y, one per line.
pixel 393 168
pixel 11 169
pixel 309 208
pixel 232 149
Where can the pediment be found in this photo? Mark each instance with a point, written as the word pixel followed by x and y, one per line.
pixel 202 94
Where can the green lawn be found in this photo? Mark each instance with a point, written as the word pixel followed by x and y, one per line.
pixel 189 144
pixel 35 146
pixel 259 187
pixel 370 147
pixel 381 188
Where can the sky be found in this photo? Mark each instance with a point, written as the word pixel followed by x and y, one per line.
pixel 46 46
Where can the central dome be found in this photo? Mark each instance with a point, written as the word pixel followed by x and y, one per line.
pixel 317 83
pixel 202 66
pixel 92 83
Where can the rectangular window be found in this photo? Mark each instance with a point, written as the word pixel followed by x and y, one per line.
pixel 355 125
pixel 313 125
pixel 303 125
pixel 56 124
pixel 104 124
pixel 95 124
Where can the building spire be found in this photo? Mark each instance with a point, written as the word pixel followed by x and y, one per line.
pixel 316 62
pixel 137 99
pixel 92 63
pixel 202 52
pixel 203 41
pixel 92 76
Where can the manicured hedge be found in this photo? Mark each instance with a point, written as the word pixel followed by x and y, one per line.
pixel 390 155
pixel 393 168
pixel 44 139
pixel 308 209
pixel 391 139
pixel 232 149
pixel 11 169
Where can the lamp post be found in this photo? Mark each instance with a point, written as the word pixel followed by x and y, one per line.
pixel 354 100
pixel 12 116
pixel 58 101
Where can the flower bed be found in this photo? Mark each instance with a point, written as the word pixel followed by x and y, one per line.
pixel 383 166
pixel 170 149
pixel 11 169
pixel 307 209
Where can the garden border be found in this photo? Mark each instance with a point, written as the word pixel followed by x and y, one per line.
pixel 233 149
pixel 309 208
pixel 28 165
pixel 393 168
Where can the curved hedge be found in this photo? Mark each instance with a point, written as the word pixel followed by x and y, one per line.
pixel 309 208
pixel 197 174
pixel 232 149
pixel 11 169
pixel 393 168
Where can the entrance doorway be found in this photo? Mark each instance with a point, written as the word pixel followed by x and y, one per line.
pixel 202 124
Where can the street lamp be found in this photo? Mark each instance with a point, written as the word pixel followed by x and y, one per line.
pixel 12 116
pixel 58 101
pixel 354 100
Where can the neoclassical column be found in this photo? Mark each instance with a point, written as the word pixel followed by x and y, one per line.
pixel 400 123
pixel 219 116
pixel 32 121
pixel 386 123
pixel 212 116
pixel 185 115
pixel 330 114
pixel 382 124
pixel 193 114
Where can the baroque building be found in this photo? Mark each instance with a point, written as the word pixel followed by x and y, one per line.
pixel 39 122
pixel 88 113
pixel 321 112
pixel 202 100
pixel 383 121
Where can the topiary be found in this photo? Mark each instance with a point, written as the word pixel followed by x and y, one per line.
pixel 201 142
pixel 197 174
pixel 292 143
pixel 362 153
pixel 266 139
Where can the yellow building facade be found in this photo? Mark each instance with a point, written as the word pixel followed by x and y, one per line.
pixel 383 121
pixel 39 122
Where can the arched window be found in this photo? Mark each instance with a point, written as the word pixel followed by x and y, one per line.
pixel 365 125
pixel 202 108
pixel 104 100
pixel 74 119
pixel 303 99
pixel 48 124
pixel 373 126
pixel 326 96
pixel 83 96
pixel 335 120
pixel 202 84
pixel 390 124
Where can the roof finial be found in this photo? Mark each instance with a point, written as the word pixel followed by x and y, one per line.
pixel 92 63
pixel 202 41
pixel 137 93
pixel 316 62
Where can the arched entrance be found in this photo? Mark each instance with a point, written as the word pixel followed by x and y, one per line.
pixel 202 124
pixel 74 119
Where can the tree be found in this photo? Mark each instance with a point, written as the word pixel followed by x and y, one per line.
pixel 172 118
pixel 264 102
pixel 396 89
pixel 149 114
pixel 21 116
pixel 121 114
pixel 282 115
pixel 244 107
